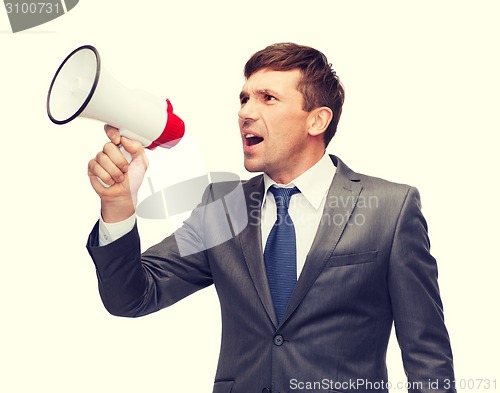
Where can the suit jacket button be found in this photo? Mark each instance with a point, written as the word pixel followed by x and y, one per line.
pixel 278 340
pixel 266 390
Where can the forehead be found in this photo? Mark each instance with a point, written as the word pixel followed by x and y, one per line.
pixel 266 79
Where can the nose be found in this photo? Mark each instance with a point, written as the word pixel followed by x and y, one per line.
pixel 248 111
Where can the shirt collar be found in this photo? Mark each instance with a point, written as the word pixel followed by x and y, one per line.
pixel 313 183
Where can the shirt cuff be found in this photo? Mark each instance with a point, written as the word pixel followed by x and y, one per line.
pixel 109 232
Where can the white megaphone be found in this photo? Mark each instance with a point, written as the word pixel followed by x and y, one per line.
pixel 81 87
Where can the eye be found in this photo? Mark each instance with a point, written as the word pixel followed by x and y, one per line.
pixel 269 97
pixel 243 100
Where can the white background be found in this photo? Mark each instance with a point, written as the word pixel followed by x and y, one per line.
pixel 422 86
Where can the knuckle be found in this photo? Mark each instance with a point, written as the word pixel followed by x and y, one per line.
pixel 91 166
pixel 101 158
pixel 98 156
pixel 108 147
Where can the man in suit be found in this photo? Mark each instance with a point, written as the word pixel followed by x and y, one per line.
pixel 321 260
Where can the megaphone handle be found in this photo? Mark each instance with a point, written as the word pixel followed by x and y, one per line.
pixel 127 156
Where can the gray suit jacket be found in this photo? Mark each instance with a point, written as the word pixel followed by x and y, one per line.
pixel 369 266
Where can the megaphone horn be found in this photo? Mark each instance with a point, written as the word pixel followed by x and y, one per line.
pixel 81 87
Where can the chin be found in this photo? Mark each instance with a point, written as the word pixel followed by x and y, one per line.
pixel 253 166
pixel 253 169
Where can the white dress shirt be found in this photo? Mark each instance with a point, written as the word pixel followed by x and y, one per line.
pixel 109 232
pixel 306 209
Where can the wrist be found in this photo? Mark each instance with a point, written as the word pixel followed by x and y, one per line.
pixel 117 210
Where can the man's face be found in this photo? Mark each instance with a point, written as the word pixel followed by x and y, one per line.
pixel 273 124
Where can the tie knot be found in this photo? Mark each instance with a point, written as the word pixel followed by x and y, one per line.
pixel 282 195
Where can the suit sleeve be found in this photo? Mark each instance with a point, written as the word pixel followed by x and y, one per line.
pixel 133 285
pixel 417 305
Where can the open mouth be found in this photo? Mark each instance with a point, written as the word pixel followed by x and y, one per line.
pixel 252 140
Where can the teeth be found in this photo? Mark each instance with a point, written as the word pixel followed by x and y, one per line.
pixel 249 136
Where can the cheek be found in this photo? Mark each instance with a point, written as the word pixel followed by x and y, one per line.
pixel 294 128
pixel 282 124
pixel 285 127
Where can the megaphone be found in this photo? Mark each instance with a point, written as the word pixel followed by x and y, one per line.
pixel 81 87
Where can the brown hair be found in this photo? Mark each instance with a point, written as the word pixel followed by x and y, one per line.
pixel 319 84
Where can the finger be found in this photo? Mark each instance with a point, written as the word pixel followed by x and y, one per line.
pixel 99 185
pixel 116 156
pixel 112 133
pixel 109 167
pixel 95 170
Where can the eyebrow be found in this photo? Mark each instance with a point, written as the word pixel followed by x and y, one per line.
pixel 260 92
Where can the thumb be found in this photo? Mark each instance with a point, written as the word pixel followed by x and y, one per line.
pixel 134 148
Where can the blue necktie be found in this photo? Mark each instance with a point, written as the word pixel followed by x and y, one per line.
pixel 280 254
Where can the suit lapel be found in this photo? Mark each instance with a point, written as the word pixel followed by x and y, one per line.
pixel 251 245
pixel 341 201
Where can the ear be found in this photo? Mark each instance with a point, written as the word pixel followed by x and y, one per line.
pixel 318 121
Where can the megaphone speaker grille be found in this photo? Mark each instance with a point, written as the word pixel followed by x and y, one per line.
pixel 73 84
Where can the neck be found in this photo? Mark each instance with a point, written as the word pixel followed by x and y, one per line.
pixel 287 175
